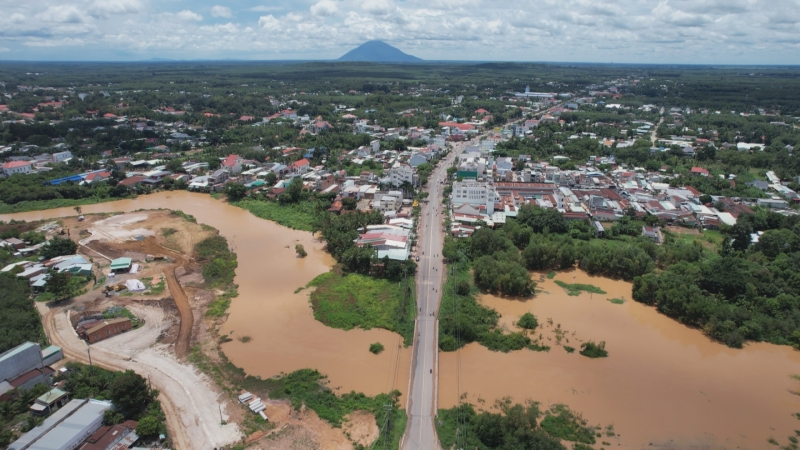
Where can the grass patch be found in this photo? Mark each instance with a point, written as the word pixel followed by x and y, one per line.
pixel 592 350
pixel 616 301
pixel 551 275
pixel 219 306
pixel 298 216
pixel 569 349
pixel 576 289
pixel 358 301
pixel 155 289
pixel 376 348
pixel 46 297
pixel 167 232
pixel 185 216
pixel 245 339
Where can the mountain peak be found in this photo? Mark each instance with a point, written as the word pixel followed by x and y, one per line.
pixel 377 51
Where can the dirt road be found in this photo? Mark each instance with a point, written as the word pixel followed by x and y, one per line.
pixel 191 402
pixel 185 310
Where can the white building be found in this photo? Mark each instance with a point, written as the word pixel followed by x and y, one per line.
pixel 12 167
pixel 400 173
pixel 474 193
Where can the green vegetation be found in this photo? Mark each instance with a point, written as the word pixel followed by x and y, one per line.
pixel 300 250
pixel 19 320
pixel 516 427
pixel 167 232
pixel 298 216
pixel 245 339
pixel 130 393
pixel 358 301
pixel 59 247
pixel 13 412
pixel 376 348
pixel 562 423
pixel 528 321
pixel 576 289
pixel 617 301
pixel 154 289
pixel 219 306
pixel 569 349
pixel 218 262
pixel 40 205
pixel 551 275
pixel 183 215
pixel 119 311
pixel 592 350
pixel 463 320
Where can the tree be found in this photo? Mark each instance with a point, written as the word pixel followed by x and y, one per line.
pixel 540 219
pixel 271 178
pixel 131 394
pixel 58 283
pixel 59 247
pixel 301 252
pixel 528 321
pixel 349 203
pixel 148 426
pixel 235 191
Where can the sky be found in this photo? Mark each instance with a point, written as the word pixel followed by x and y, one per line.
pixel 603 31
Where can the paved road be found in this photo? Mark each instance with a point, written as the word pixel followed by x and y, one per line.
pixel 420 432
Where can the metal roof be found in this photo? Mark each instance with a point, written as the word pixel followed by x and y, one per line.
pixel 121 263
pixel 63 426
pixel 18 349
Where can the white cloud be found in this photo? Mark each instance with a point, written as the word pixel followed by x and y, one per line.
pixel 324 8
pixel 221 11
pixel 294 17
pixel 4 49
pixel 269 23
pixel 265 8
pixel 189 16
pixel 16 18
pixel 104 8
pixel 63 14
pixel 377 7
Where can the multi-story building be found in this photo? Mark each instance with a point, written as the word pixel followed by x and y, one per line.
pixel 474 193
pixel 401 173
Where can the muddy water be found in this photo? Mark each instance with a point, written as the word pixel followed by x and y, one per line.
pixel 663 383
pixel 285 336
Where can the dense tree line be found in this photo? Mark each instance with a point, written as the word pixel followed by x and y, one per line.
pixel 19 320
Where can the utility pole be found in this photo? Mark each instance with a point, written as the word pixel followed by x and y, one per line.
pixel 89 351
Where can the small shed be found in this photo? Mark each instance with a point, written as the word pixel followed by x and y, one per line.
pixel 48 402
pixel 121 265
pixel 51 355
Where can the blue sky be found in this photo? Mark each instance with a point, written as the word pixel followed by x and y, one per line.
pixel 620 31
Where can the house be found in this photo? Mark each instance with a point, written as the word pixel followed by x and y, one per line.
pixel 14 167
pixel 300 167
pixel 232 164
pixel 219 176
pixel 200 182
pixel 388 241
pixel 132 181
pixel 652 233
pixel 61 157
pixel 104 329
pixel 112 437
pixel 97 176
pixel 699 171
pixel 417 159
pixel 324 182
pixel 759 184
pixel 49 402
pixel 474 193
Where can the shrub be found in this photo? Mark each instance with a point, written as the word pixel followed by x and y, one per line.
pixel 592 350
pixel 528 321
pixel 376 348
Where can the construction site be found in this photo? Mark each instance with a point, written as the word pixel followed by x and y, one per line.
pixel 150 296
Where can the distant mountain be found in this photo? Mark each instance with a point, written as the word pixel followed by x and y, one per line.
pixel 377 51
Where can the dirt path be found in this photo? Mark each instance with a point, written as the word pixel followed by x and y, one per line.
pixel 191 402
pixel 185 310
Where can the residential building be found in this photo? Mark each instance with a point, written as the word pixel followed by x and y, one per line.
pixel 15 167
pixel 49 402
pixel 232 164
pixel 388 241
pixel 401 173
pixel 474 193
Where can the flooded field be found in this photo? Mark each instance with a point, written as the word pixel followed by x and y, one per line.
pixel 285 336
pixel 663 383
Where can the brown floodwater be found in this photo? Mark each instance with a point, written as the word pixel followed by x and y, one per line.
pixel 663 383
pixel 285 335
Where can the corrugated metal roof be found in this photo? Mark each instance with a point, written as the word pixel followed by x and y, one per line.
pixel 63 426
pixel 16 350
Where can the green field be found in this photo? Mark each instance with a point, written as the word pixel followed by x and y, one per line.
pixel 357 301
pixel 297 216
pixel 577 288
